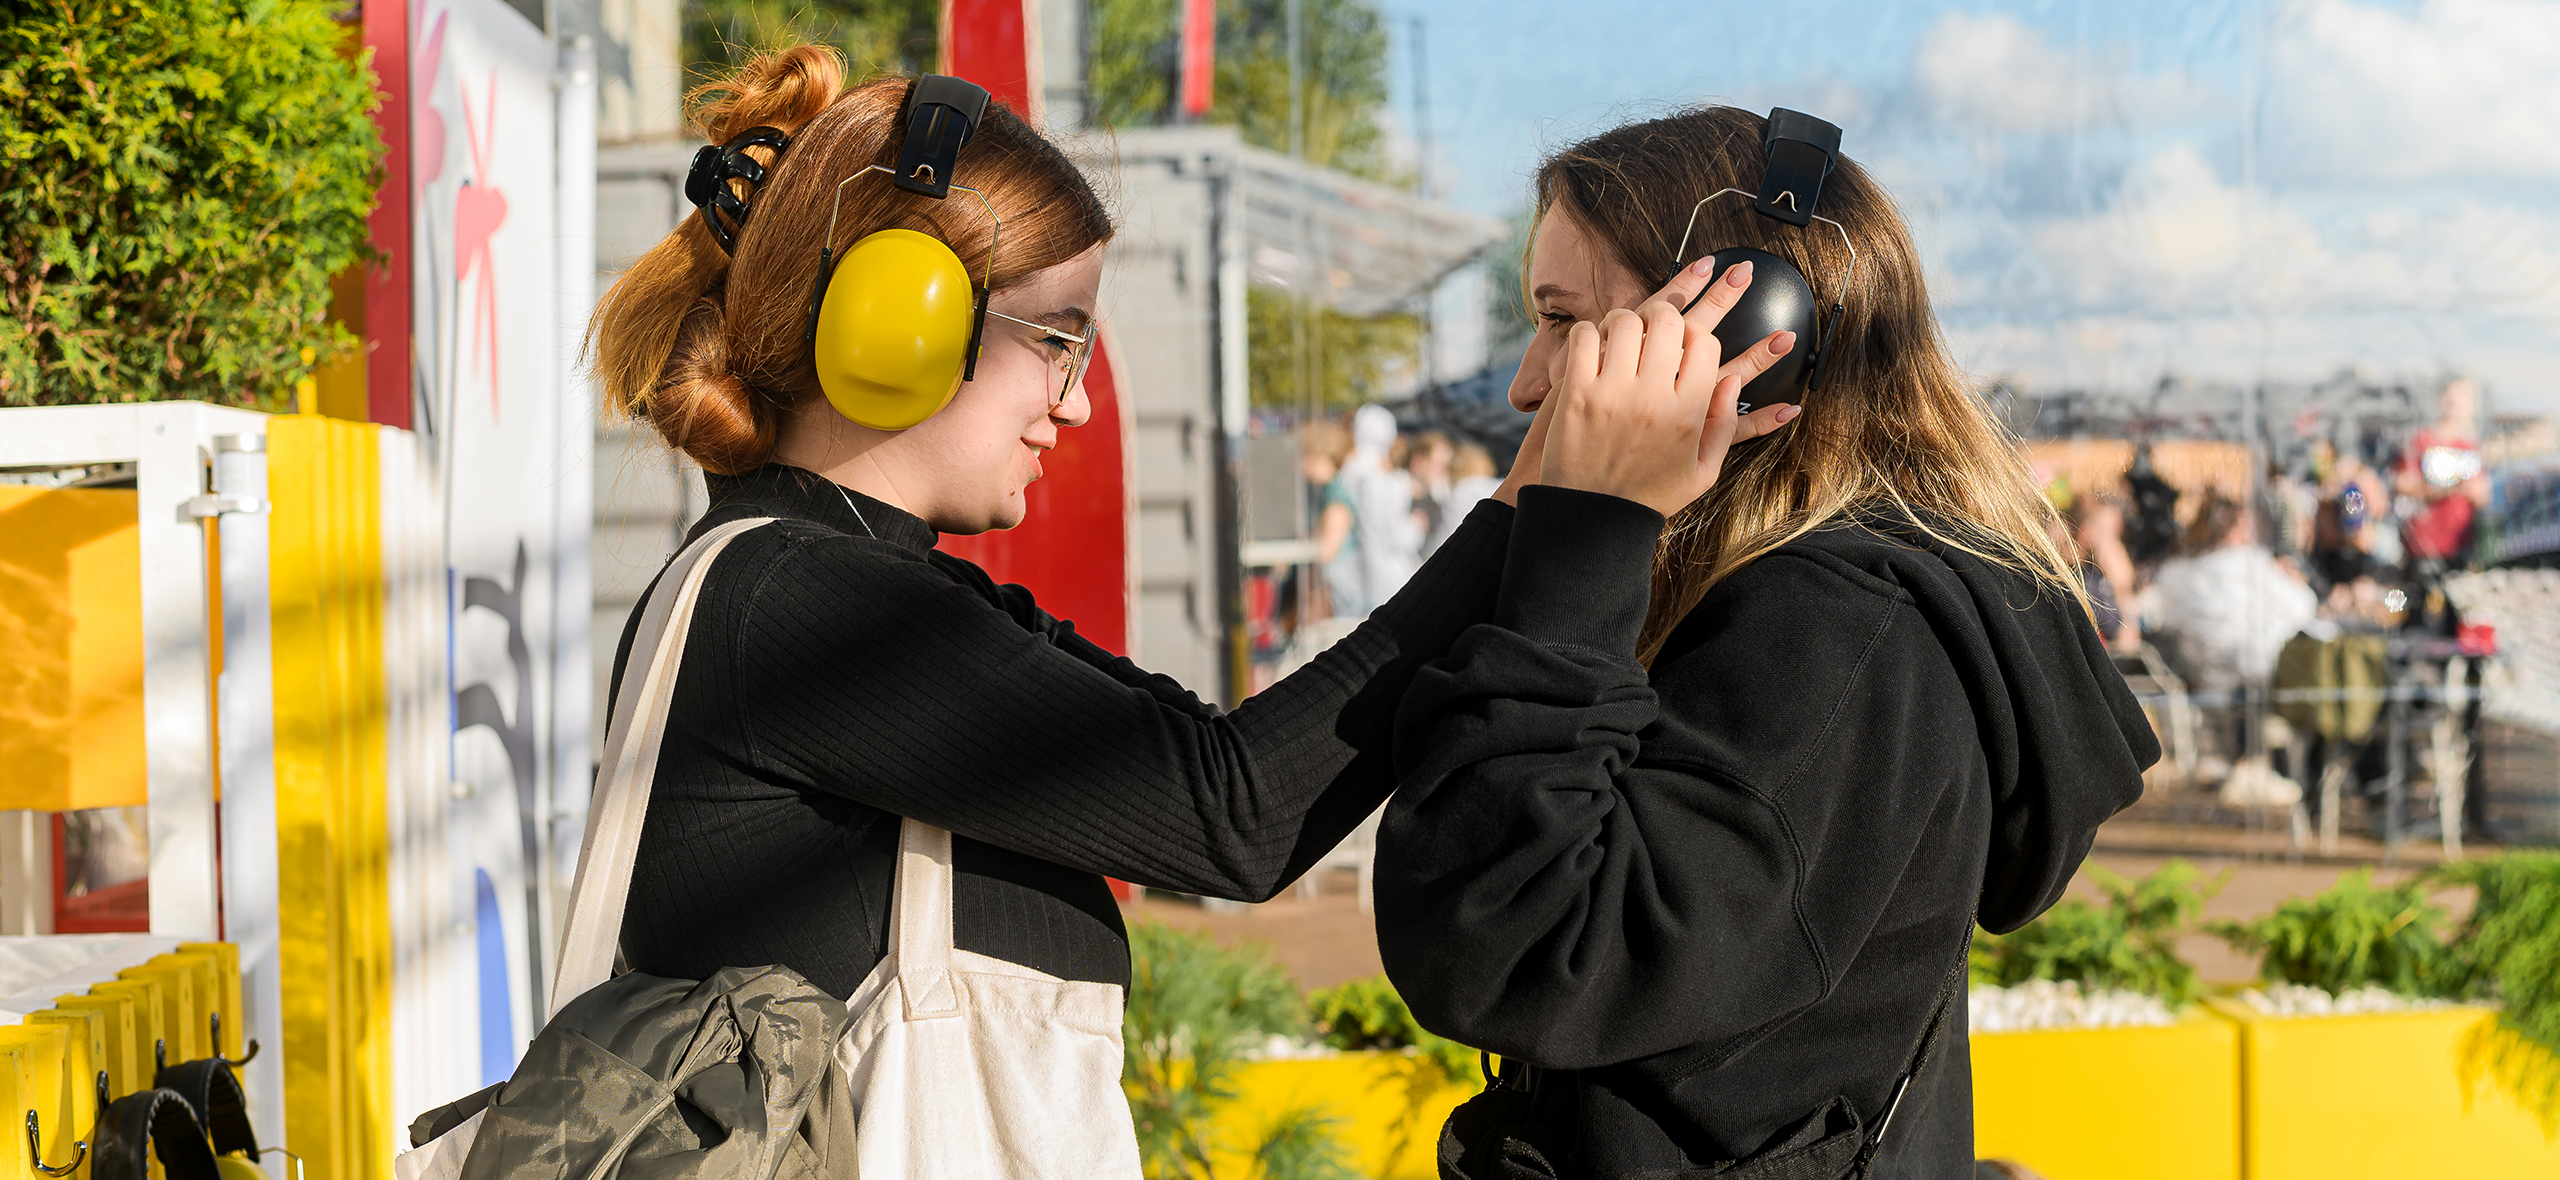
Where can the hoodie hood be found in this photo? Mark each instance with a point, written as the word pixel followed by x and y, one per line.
pixel 2062 733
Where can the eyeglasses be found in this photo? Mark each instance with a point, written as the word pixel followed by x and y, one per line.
pixel 1071 360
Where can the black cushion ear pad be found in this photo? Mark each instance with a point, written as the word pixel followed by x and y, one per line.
pixel 1779 301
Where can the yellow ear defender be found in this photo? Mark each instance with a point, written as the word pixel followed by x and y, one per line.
pixel 895 323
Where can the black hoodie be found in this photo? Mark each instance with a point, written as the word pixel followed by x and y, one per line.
pixel 1709 899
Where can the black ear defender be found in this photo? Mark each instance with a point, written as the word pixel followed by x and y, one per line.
pixel 706 184
pixel 1801 151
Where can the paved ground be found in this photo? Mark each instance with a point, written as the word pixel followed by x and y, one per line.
pixel 1326 939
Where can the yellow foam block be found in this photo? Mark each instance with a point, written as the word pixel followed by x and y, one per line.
pixel 204 992
pixel 179 1023
pixel 150 1027
pixel 235 1021
pixel 71 637
pixel 2379 1095
pixel 84 1054
pixel 44 1052
pixel 124 1052
pixel 2112 1103
pixel 19 1093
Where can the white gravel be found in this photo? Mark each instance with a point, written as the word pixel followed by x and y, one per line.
pixel 2293 999
pixel 2042 1004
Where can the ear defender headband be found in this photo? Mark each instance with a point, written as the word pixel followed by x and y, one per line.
pixel 1801 151
pixel 895 322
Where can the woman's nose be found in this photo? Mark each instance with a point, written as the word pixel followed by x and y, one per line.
pixel 1529 385
pixel 1075 409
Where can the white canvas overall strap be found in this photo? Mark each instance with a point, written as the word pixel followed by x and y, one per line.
pixel 621 802
pixel 920 921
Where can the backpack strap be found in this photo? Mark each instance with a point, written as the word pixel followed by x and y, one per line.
pixel 593 933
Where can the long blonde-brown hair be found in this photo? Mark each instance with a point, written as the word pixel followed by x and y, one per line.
pixel 1896 428
pixel 710 348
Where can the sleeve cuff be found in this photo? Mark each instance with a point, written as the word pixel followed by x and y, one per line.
pixel 1580 569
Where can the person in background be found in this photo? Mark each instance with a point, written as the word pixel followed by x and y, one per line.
pixel 1322 447
pixel 2443 472
pixel 2095 529
pixel 1472 478
pixel 2346 532
pixel 1367 540
pixel 1429 464
pixel 2223 610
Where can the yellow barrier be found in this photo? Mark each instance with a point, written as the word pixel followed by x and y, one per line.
pixel 1389 1106
pixel 2112 1103
pixel 2349 1097
pixel 332 780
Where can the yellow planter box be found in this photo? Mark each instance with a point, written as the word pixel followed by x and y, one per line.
pixel 2348 1097
pixel 1390 1107
pixel 2112 1103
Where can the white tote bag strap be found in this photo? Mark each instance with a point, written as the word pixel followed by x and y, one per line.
pixel 621 802
pixel 920 921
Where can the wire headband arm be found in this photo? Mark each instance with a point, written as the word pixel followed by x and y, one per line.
pixel 1839 295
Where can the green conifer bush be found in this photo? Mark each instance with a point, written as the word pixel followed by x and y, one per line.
pixel 184 176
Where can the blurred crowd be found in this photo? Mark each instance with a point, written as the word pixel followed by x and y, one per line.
pixel 2281 607
pixel 1382 500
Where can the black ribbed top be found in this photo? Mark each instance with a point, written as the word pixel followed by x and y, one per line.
pixel 838 677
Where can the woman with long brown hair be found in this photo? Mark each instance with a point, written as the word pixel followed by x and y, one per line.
pixel 842 677
pixel 1694 833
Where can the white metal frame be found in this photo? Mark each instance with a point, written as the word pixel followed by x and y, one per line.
pixel 194 461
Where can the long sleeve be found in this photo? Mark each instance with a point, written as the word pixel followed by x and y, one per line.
pixel 1588 863
pixel 886 681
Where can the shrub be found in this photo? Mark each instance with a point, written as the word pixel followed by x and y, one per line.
pixel 1194 1008
pixel 184 177
pixel 2349 936
pixel 2509 950
pixel 2128 941
pixel 1368 1014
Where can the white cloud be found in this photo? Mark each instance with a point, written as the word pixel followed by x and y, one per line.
pixel 2455 88
pixel 1996 71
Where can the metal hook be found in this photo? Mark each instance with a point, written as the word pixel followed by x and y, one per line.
pixel 159 1056
pixel 246 1055
pixel 102 1094
pixel 35 1150
pixel 297 1160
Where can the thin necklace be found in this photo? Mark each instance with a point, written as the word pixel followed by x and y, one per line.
pixel 857 511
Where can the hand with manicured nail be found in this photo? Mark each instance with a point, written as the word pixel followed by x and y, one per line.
pixel 1639 406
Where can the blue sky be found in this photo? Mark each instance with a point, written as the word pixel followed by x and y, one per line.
pixel 2107 191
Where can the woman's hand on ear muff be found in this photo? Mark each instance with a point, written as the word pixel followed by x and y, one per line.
pixel 1642 410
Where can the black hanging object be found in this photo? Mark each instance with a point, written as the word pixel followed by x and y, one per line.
pixel 150 1123
pixel 942 113
pixel 1801 150
pixel 707 183
pixel 212 1091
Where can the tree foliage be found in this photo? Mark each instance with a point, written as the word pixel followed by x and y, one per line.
pixel 1350 359
pixel 1135 58
pixel 2128 941
pixel 184 178
pixel 874 35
